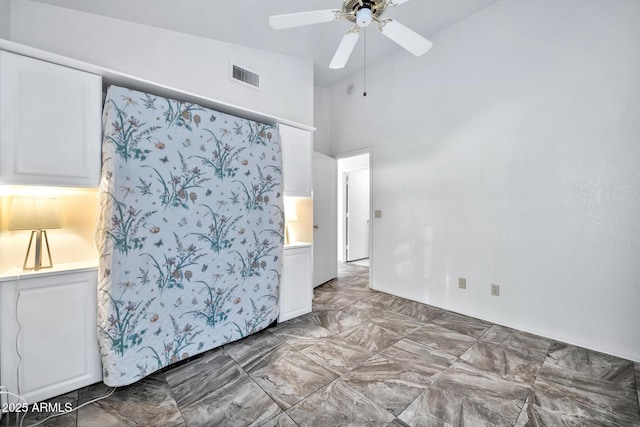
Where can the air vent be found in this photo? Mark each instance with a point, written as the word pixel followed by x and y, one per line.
pixel 245 76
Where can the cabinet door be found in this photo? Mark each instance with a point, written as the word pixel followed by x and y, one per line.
pixel 296 161
pixel 50 125
pixel 295 283
pixel 49 342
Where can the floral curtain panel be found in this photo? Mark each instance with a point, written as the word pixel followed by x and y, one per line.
pixel 190 231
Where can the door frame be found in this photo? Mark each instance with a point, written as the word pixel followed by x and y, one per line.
pixel 341 220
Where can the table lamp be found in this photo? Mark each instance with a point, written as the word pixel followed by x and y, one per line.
pixel 290 214
pixel 37 215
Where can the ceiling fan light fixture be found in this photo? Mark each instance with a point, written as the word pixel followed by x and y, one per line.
pixel 361 13
pixel 364 16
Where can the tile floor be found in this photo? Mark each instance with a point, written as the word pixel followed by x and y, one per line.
pixel 368 358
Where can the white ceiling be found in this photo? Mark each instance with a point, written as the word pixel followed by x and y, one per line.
pixel 245 22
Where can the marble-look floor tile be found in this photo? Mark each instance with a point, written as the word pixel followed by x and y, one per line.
pixel 466 396
pixel 92 416
pixel 419 311
pixel 195 381
pixel 282 420
pixel 533 415
pixel 592 364
pixel 290 379
pixel 392 385
pixel 355 283
pixel 444 407
pixel 214 390
pixel 255 351
pixel 300 332
pixel 334 320
pixel 339 405
pixel 427 360
pixel 570 392
pixel 397 422
pixel 363 310
pixel 336 355
pixel 370 337
pixel 241 403
pixel 637 368
pixel 135 404
pixel 462 324
pixel 326 300
pixel 348 272
pixel 520 366
pixel 384 301
pixel 395 322
pixel 95 391
pixel 516 339
pixel 442 338
pixel 358 287
pixel 31 417
pixel 350 285
pixel 482 384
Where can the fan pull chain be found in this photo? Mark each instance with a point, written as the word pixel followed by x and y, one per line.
pixel 365 62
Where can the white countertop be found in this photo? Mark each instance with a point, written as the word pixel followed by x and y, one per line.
pixel 294 245
pixel 14 272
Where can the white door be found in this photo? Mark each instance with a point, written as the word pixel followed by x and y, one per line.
pixel 357 214
pixel 325 218
pixel 51 129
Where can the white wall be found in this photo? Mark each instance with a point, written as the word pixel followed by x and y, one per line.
pixel 5 19
pixel 509 154
pixel 74 242
pixel 186 62
pixel 322 120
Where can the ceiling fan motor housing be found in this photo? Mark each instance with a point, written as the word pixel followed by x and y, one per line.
pixel 351 8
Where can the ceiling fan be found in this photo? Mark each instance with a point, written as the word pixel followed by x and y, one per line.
pixel 362 13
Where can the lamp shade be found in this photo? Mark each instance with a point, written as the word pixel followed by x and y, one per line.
pixel 290 212
pixel 364 17
pixel 35 214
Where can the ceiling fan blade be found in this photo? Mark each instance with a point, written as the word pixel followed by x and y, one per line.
pixel 344 50
pixel 398 2
pixel 405 37
pixel 290 20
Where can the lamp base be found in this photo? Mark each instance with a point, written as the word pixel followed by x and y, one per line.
pixel 38 251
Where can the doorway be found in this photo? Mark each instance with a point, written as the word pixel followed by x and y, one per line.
pixel 354 208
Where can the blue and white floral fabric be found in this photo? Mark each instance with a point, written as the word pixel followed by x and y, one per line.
pixel 190 231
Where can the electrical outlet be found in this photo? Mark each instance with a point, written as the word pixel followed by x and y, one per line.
pixel 462 283
pixel 495 290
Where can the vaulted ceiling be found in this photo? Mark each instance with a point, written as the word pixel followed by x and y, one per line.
pixel 245 22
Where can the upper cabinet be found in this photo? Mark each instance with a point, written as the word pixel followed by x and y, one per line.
pixel 297 148
pixel 50 124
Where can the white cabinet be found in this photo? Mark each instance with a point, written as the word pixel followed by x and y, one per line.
pixel 296 289
pixel 297 149
pixel 48 339
pixel 50 126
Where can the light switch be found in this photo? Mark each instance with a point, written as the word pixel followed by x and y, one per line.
pixel 377 214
